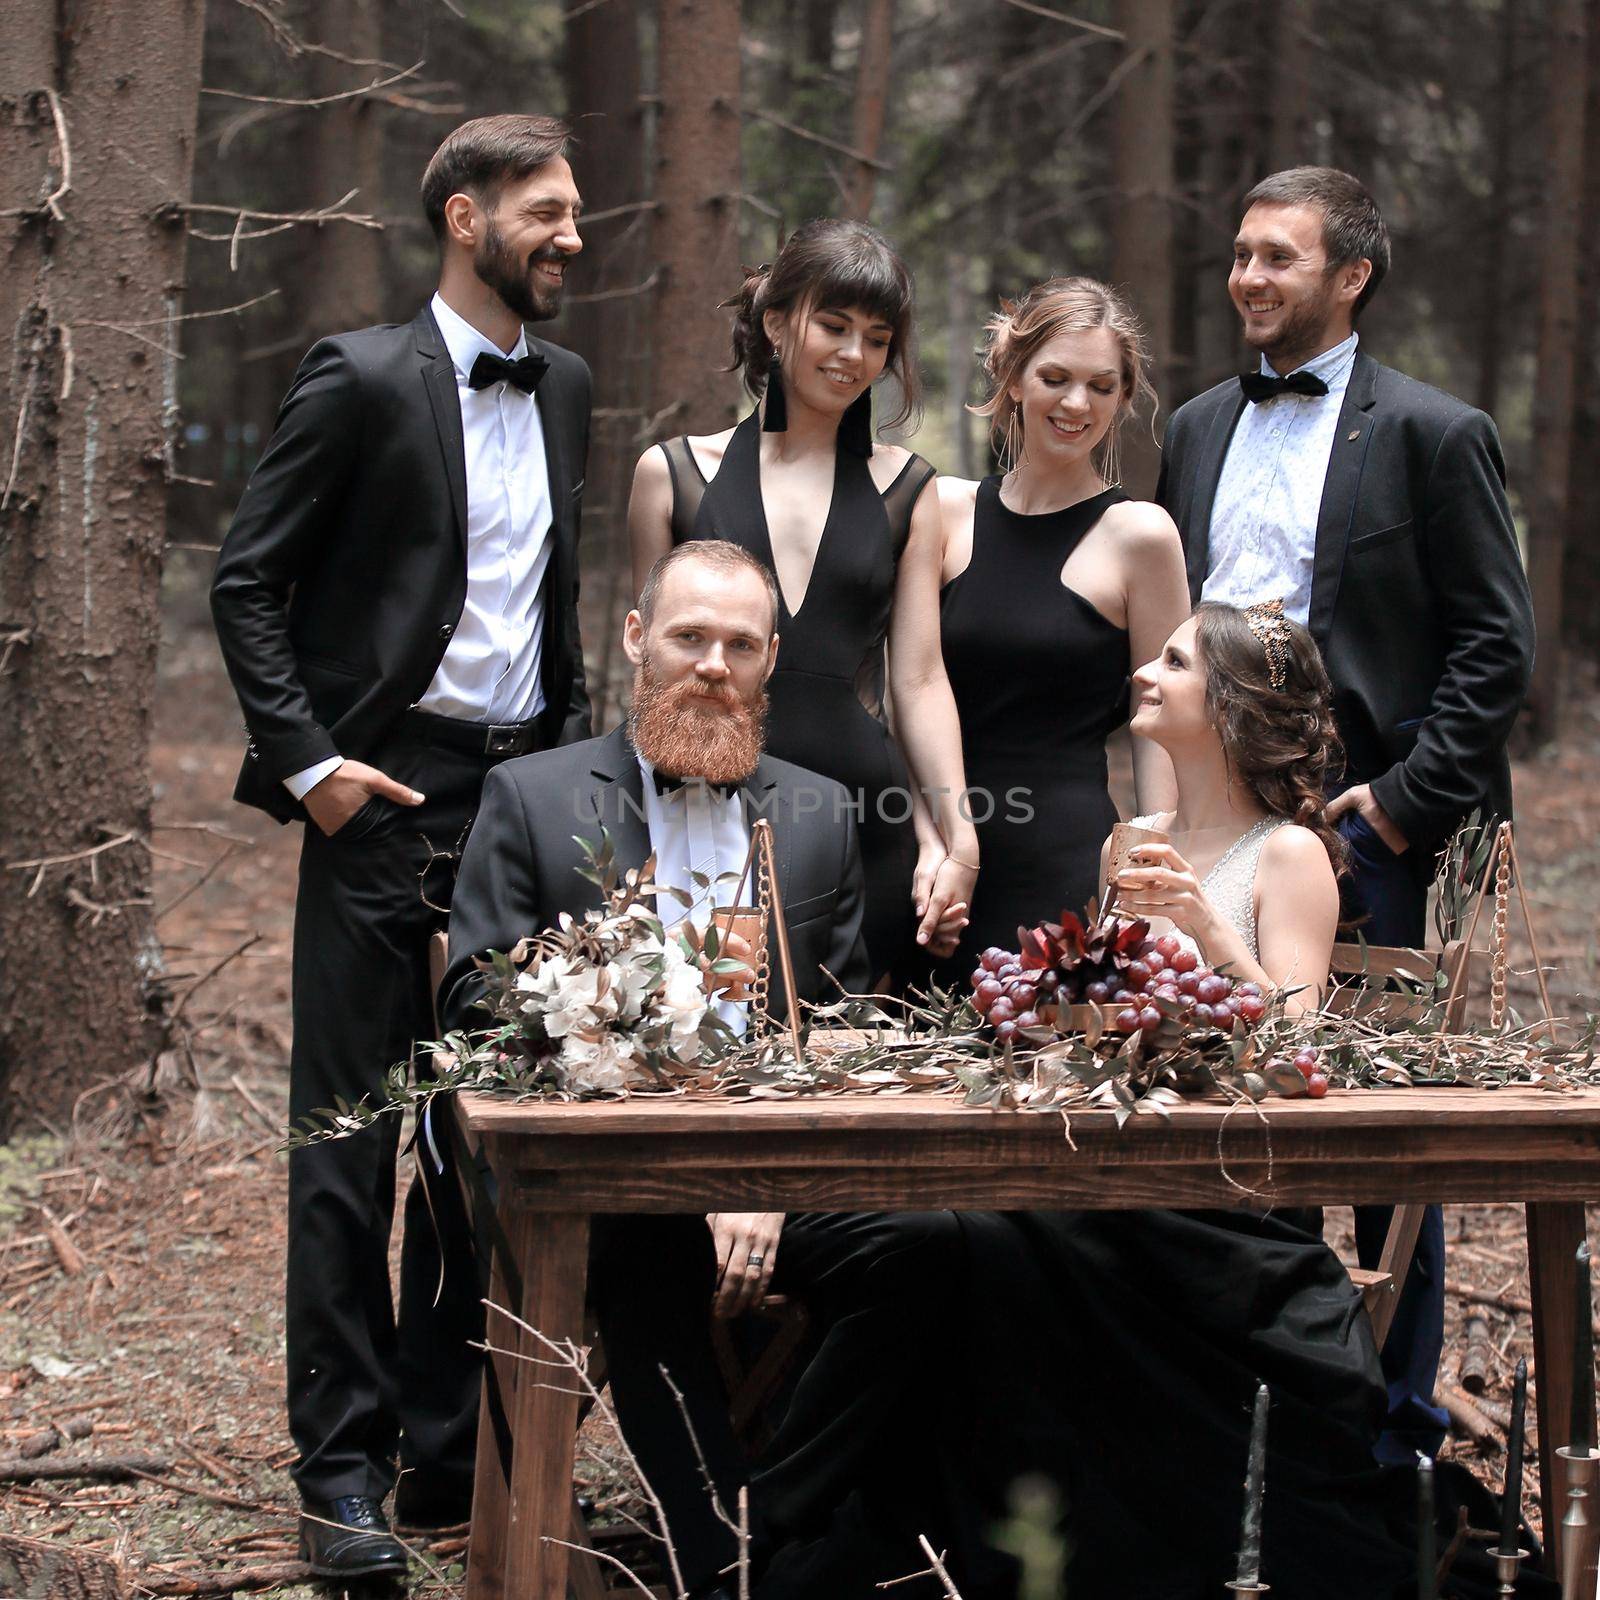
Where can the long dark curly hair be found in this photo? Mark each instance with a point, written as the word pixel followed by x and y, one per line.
pixel 1280 742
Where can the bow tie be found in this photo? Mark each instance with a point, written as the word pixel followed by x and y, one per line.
pixel 669 785
pixel 525 372
pixel 1259 386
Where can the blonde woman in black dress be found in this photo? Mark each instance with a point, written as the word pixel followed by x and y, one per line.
pixel 850 528
pixel 1056 586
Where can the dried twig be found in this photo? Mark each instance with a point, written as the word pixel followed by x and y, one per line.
pixel 112 1469
pixel 67 1253
pixel 1099 29
pixel 42 864
pixel 317 100
pixel 616 294
pixel 756 114
pixel 272 1575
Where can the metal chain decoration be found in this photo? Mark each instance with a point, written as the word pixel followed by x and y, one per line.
pixel 1498 936
pixel 760 1015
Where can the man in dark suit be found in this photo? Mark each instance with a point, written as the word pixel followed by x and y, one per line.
pixel 683 780
pixel 397 605
pixel 1375 507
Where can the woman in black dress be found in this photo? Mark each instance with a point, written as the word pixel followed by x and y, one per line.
pixel 851 531
pixel 1056 585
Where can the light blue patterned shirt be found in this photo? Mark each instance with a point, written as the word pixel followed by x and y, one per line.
pixel 1264 518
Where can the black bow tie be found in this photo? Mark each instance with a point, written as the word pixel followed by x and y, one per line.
pixel 525 372
pixel 669 785
pixel 1259 386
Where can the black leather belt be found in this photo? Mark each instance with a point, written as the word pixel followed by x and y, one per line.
pixel 476 738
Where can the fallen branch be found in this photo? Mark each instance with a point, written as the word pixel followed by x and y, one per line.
pixel 1477 1356
pixel 111 1469
pixel 1468 1420
pixel 276 1574
pixel 67 1253
pixel 1513 1303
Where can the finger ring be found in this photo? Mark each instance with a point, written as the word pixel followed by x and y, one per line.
pixel 756 1260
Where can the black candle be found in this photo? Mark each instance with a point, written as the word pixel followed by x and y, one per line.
pixel 1511 1505
pixel 1427 1551
pixel 1249 1573
pixel 1581 1433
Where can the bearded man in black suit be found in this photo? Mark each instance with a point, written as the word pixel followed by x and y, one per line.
pixel 397 605
pixel 683 781
pixel 1375 508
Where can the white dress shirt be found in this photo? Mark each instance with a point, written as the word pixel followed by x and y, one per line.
pixel 696 829
pixel 490 670
pixel 1264 519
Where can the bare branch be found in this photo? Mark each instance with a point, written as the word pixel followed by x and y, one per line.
pixel 322 99
pixel 1072 22
pixel 11 640
pixel 757 115
pixel 22 423
pixel 294 44
pixel 53 202
pixel 616 294
pixel 589 217
pixel 328 213
pixel 44 863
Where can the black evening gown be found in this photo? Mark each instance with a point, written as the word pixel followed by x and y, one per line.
pixel 1040 679
pixel 826 693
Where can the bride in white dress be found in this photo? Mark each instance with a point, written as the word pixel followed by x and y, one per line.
pixel 1248 878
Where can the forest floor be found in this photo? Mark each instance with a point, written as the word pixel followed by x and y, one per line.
pixel 141 1253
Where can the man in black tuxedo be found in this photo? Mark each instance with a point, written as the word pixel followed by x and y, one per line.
pixel 397 605
pixel 1375 507
pixel 683 780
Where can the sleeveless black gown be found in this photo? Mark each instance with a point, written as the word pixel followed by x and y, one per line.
pixel 826 692
pixel 1040 679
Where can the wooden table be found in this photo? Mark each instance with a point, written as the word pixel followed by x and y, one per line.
pixel 556 1165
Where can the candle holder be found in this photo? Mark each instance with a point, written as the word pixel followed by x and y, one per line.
pixel 1578 1529
pixel 1247 1588
pixel 1506 1568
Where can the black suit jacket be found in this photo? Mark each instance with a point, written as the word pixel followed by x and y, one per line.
pixel 1419 601
pixel 520 870
pixel 345 570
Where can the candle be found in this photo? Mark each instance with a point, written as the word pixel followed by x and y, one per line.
pixel 1427 1553
pixel 1581 1433
pixel 1511 1505
pixel 1249 1573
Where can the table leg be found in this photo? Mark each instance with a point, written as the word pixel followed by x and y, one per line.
pixel 491 1491
pixel 1554 1233
pixel 554 1256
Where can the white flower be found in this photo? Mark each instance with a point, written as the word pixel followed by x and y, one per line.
pixel 681 1003
pixel 596 1065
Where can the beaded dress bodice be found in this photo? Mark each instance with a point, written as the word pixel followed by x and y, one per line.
pixel 1231 884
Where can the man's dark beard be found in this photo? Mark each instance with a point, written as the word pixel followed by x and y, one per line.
pixel 684 733
pixel 1301 334
pixel 496 264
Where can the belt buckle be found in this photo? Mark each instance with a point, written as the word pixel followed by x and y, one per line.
pixel 502 740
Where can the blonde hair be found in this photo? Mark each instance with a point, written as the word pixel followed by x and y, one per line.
pixel 1021 328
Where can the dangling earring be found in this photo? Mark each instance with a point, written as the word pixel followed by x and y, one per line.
pixel 775 416
pixel 1011 442
pixel 855 426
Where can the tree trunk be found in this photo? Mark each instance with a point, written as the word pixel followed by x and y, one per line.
pixel 696 241
pixel 963 358
pixel 1583 510
pixel 88 429
pixel 612 335
pixel 1291 85
pixel 1553 381
pixel 872 102
pixel 339 276
pixel 1497 234
pixel 1142 177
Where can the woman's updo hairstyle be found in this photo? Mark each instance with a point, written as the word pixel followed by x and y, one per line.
pixel 1021 328
pixel 1278 740
pixel 838 265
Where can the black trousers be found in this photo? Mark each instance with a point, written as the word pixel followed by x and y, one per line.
pixel 881 1289
pixel 365 1377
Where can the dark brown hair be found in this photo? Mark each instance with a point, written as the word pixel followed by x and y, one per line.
pixel 1280 742
pixel 482 156
pixel 720 553
pixel 1021 328
pixel 840 265
pixel 1353 228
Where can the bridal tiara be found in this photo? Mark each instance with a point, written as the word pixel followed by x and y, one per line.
pixel 1268 624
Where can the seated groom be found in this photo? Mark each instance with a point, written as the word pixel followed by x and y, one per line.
pixel 685 778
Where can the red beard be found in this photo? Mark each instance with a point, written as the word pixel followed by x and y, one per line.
pixel 692 730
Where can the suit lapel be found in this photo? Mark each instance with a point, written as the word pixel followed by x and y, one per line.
pixel 617 799
pixel 1341 493
pixel 439 376
pixel 1196 526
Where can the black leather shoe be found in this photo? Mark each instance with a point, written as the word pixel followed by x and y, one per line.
pixel 349 1538
pixel 428 1504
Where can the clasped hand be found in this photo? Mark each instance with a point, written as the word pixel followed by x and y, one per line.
pixel 942 892
pixel 746 1244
